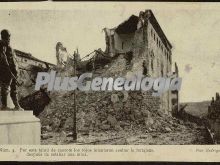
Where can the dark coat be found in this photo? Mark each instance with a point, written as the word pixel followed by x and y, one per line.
pixel 5 75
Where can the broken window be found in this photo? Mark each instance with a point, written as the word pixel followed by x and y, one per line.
pixel 145 71
pixel 170 59
pixel 152 60
pixel 112 41
pixel 158 66
pixel 162 69
pixel 174 101
pixel 152 65
pixel 128 56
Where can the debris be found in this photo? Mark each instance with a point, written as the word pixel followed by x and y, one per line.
pixel 105 127
pixel 167 129
pixel 114 98
pixel 46 136
pixel 112 120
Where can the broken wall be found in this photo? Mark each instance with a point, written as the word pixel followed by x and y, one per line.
pixel 160 63
pixel 151 51
pixel 62 55
pixel 124 42
pixel 106 110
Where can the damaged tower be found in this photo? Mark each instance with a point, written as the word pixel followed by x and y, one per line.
pixel 144 45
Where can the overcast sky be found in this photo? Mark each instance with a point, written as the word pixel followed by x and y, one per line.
pixel 192 29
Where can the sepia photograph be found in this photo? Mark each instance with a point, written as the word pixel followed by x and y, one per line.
pixel 113 73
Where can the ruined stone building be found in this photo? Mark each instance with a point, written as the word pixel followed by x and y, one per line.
pixel 26 62
pixel 24 59
pixel 137 44
pixel 61 55
pixel 64 58
pixel 146 48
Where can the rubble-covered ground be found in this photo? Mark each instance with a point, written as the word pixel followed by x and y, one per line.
pixel 101 121
pixel 188 134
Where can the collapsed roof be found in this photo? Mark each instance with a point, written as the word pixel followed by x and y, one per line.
pixel 129 26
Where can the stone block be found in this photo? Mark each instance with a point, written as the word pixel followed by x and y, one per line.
pixel 19 128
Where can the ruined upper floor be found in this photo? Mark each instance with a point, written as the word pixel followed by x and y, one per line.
pixel 135 31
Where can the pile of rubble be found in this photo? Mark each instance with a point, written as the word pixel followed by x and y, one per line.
pixel 104 111
pixel 99 111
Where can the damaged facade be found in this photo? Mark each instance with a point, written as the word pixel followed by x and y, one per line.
pixel 137 44
pixel 27 63
pixel 62 56
pixel 25 59
pixel 28 68
pixel 143 44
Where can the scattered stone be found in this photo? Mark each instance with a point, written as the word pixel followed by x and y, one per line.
pixel 149 121
pixel 137 114
pixel 46 136
pixel 121 142
pixel 48 128
pixel 105 127
pixel 146 113
pixel 118 127
pixel 55 123
pixel 167 129
pixel 114 98
pixel 63 136
pixel 123 123
pixel 154 136
pixel 112 120
pixel 125 98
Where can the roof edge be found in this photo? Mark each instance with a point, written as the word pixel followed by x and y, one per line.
pixel 157 25
pixel 29 56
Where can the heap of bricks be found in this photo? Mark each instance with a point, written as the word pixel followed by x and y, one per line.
pixel 103 111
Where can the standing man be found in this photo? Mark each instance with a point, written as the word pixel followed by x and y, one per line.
pixel 8 72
